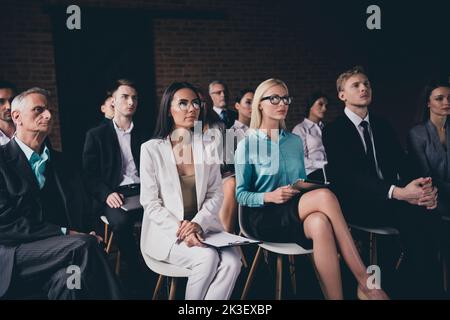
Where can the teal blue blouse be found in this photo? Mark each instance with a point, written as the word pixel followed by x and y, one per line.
pixel 262 165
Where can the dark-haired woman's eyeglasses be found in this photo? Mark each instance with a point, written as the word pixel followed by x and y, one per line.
pixel 276 99
pixel 183 104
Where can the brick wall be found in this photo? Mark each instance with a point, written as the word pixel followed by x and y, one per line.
pixel 253 41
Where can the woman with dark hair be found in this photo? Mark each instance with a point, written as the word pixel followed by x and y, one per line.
pixel 428 142
pixel 243 104
pixel 310 130
pixel 181 192
pixel 268 161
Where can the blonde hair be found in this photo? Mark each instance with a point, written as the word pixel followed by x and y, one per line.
pixel 343 77
pixel 256 119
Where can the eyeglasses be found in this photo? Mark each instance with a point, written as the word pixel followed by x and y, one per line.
pixel 183 104
pixel 276 99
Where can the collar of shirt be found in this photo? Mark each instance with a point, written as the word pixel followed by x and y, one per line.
pixel 354 118
pixel 263 135
pixel 123 131
pixel 239 125
pixel 309 124
pixel 4 139
pixel 26 149
pixel 219 110
pixel 36 161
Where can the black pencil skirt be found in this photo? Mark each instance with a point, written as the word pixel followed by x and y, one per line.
pixel 276 223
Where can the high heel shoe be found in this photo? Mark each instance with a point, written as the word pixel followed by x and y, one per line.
pixel 371 294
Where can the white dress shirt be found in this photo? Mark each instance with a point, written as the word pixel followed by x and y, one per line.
pixel 239 129
pixel 128 171
pixel 4 139
pixel 219 111
pixel 313 148
pixel 356 120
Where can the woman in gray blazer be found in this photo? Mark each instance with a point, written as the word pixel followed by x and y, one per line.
pixel 428 143
pixel 181 192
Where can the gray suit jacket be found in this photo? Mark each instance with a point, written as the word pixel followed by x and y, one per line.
pixel 430 158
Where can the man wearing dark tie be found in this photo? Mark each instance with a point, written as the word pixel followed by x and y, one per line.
pixel 219 96
pixel 43 213
pixel 367 167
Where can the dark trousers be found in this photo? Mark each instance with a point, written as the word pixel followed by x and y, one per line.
pixel 41 270
pixel 419 230
pixel 122 223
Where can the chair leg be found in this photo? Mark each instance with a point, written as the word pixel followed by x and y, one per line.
pixel 279 277
pixel 173 288
pixel 108 247
pixel 105 238
pixel 292 274
pixel 251 273
pixel 244 261
pixel 399 261
pixel 158 287
pixel 311 257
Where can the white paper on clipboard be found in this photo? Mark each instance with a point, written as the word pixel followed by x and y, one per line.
pixel 225 239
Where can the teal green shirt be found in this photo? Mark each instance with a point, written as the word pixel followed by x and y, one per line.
pixel 262 165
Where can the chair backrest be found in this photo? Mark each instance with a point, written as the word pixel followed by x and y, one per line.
pixel 391 231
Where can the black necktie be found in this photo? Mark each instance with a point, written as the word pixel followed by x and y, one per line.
pixel 369 147
pixel 224 116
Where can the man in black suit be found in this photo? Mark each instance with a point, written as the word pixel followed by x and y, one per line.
pixel 111 170
pixel 368 169
pixel 218 92
pixel 42 216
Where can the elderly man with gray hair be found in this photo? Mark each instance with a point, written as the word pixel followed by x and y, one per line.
pixel 44 251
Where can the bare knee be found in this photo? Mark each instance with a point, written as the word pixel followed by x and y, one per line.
pixel 317 200
pixel 317 225
pixel 324 195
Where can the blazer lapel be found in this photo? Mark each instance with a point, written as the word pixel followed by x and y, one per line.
pixel 438 149
pixel 166 148
pixel 199 165
pixel 354 135
pixel 20 163
pixel 135 147
pixel 115 151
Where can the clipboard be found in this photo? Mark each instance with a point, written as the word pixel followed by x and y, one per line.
pixel 308 185
pixel 224 239
pixel 131 203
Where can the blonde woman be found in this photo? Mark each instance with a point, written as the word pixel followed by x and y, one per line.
pixel 273 211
